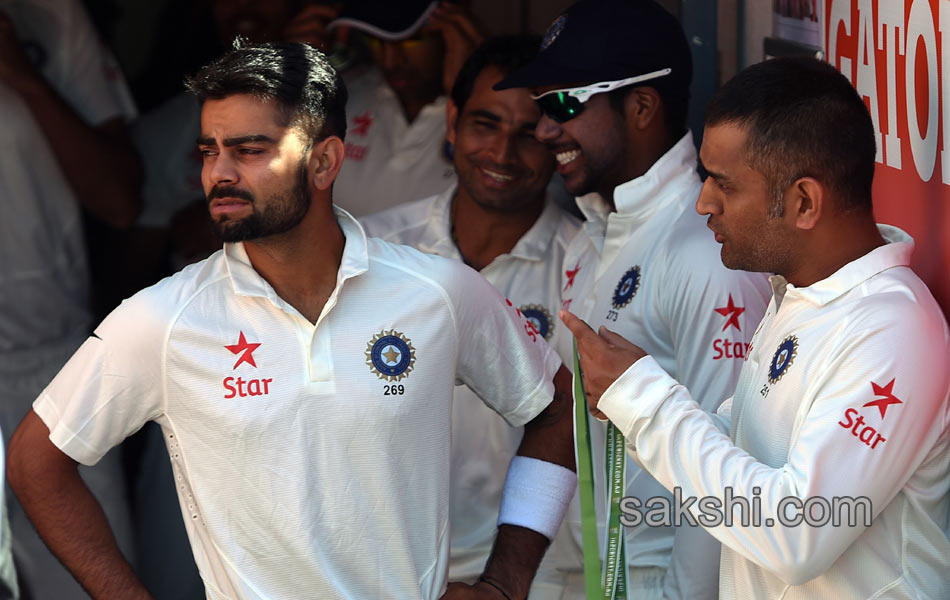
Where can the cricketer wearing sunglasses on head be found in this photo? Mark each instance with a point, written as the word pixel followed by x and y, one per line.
pixel 612 82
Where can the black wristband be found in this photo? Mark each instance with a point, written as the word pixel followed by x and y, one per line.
pixel 494 585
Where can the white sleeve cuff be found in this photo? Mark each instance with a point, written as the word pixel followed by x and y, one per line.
pixel 636 395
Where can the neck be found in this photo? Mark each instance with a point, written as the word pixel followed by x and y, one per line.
pixel 641 153
pixel 302 264
pixel 827 254
pixel 482 234
pixel 412 104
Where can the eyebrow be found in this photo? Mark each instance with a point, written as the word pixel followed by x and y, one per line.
pixel 713 174
pixel 237 141
pixel 484 114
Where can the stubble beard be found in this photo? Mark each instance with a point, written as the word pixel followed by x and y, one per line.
pixel 281 213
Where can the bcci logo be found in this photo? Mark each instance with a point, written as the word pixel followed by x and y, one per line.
pixel 390 355
pixel 540 319
pixel 784 356
pixel 627 287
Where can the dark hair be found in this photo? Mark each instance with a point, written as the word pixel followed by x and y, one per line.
pixel 509 53
pixel 309 91
pixel 803 118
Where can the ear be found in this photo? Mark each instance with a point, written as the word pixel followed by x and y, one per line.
pixel 451 120
pixel 805 202
pixel 642 106
pixel 326 158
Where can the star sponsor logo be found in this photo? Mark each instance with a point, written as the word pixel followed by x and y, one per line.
pixel 390 355
pixel 859 427
pixel 886 399
pixel 362 123
pixel 723 348
pixel 571 274
pixel 732 313
pixel 355 151
pixel 238 386
pixel 245 349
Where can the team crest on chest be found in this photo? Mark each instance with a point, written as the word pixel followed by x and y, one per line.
pixel 390 355
pixel 540 319
pixel 783 358
pixel 627 287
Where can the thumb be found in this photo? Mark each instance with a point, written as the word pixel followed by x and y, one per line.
pixel 612 338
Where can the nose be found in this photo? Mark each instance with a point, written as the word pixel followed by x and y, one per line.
pixel 391 55
pixel 547 129
pixel 502 149
pixel 219 169
pixel 708 202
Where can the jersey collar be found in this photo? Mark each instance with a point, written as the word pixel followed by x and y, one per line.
pixel 672 179
pixel 533 245
pixel 895 253
pixel 247 282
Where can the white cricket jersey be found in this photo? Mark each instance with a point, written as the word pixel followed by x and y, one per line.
pixel 843 394
pixel 309 459
pixel 44 278
pixel 388 160
pixel 651 272
pixel 482 442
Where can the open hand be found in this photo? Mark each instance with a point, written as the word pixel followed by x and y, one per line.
pixel 461 36
pixel 310 26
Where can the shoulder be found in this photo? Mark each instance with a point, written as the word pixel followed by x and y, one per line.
pixel 451 278
pixel 896 301
pixel 401 224
pixel 155 308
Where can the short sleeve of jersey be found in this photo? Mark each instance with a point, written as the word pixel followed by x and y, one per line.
pixel 82 69
pixel 110 387
pixel 500 355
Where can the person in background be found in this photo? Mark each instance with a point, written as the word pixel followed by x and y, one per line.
pixel 844 399
pixel 64 150
pixel 397 149
pixel 612 82
pixel 500 220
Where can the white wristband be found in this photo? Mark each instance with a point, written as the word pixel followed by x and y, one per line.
pixel 536 495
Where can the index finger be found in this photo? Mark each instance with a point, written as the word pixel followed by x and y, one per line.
pixel 579 328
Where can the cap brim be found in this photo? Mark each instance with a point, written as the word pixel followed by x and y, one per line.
pixel 540 73
pixel 393 31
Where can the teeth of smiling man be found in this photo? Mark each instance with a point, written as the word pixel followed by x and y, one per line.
pixel 566 157
pixel 497 176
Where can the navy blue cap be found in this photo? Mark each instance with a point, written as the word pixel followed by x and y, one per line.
pixel 608 40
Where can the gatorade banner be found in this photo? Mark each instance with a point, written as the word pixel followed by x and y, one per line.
pixel 897 55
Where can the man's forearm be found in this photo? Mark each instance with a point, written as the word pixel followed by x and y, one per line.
pixel 549 437
pixel 67 515
pixel 99 163
pixel 514 560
